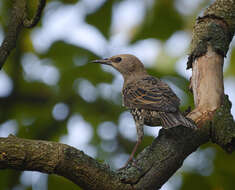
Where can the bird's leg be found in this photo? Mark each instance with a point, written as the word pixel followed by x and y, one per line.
pixel 140 135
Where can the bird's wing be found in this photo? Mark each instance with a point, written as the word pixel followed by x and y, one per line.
pixel 150 93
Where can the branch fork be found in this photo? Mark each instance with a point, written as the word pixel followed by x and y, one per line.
pixel 159 161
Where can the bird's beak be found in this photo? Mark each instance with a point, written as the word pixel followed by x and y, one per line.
pixel 103 61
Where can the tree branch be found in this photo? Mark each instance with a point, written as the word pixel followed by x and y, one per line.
pixel 165 156
pixel 14 27
pixel 18 20
pixel 212 35
pixel 51 157
pixel 29 23
pixel 157 163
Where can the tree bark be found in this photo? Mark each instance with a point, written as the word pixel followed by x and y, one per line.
pixel 158 162
pixel 51 157
pixel 212 35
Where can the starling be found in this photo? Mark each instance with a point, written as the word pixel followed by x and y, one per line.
pixel 150 100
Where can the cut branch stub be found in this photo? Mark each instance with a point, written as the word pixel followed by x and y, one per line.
pixel 209 30
pixel 212 35
pixel 207 86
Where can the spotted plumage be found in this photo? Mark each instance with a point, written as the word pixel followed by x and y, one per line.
pixel 150 100
pixel 157 102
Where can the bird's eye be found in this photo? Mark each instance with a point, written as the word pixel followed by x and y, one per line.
pixel 117 59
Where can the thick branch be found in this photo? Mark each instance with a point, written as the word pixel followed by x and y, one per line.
pixel 211 38
pixel 57 158
pixel 207 84
pixel 158 162
pixel 168 151
pixel 155 164
pixel 215 28
pixel 212 35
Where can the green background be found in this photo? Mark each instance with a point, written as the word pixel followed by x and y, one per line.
pixel 51 91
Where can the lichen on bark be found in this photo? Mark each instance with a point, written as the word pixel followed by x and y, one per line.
pixel 223 127
pixel 215 28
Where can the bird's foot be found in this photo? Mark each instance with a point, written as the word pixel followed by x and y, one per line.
pixel 127 164
pixel 130 160
pixel 131 163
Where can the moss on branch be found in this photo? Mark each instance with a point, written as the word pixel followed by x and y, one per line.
pixel 215 28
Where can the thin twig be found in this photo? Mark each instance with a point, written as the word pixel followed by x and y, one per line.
pixel 18 20
pixel 14 27
pixel 29 23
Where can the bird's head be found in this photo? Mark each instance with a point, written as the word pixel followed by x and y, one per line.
pixel 126 64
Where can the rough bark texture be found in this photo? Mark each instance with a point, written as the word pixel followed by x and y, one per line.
pixel 216 28
pixel 159 161
pixel 57 158
pixel 212 35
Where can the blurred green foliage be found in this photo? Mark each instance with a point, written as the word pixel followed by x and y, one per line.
pixel 161 21
pixel 31 102
pixel 102 18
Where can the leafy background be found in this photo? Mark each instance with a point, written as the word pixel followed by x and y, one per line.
pixel 49 89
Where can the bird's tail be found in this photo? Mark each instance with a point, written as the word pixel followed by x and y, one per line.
pixel 175 119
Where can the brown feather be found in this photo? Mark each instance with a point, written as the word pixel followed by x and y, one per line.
pixel 150 93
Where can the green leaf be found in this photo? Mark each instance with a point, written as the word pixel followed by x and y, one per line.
pixel 160 22
pixel 101 19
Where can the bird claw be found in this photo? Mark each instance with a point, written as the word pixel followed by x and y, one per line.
pixel 134 164
pixel 131 163
pixel 127 164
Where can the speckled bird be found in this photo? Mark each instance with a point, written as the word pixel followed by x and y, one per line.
pixel 150 100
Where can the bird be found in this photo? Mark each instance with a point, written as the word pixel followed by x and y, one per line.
pixel 150 100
